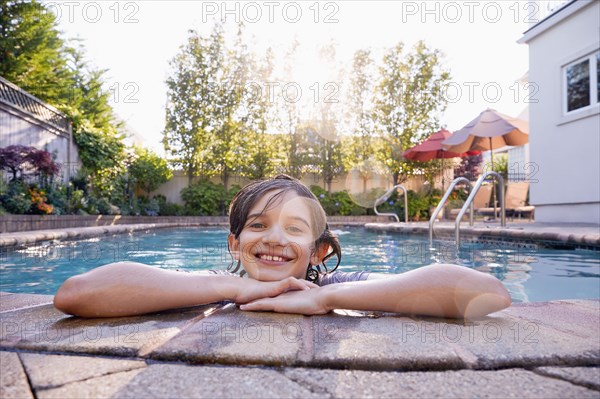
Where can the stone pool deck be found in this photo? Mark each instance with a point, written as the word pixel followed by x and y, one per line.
pixel 534 350
pixel 531 350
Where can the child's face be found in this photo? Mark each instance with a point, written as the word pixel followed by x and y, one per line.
pixel 276 242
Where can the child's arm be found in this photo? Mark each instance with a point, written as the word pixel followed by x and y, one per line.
pixel 435 290
pixel 127 289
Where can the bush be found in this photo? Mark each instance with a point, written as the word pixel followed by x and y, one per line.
pixel 168 208
pixel 39 205
pixel 77 202
pixel 204 199
pixel 57 196
pixel 337 204
pixel 418 205
pixel 149 207
pixel 16 199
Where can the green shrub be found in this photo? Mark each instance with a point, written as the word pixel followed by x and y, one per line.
pixel 345 206
pixel 204 199
pixel 168 208
pixel 16 199
pixel 338 203
pixel 77 202
pixel 57 197
pixel 105 207
pixel 149 207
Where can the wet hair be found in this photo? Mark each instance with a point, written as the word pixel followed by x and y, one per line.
pixel 244 200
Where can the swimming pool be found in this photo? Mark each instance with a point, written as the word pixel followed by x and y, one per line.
pixel 530 274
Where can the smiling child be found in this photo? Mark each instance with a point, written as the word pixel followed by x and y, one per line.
pixel 279 239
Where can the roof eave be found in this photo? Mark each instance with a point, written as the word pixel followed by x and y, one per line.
pixel 559 15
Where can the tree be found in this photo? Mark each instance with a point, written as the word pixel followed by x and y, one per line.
pixel 469 167
pixel 230 115
pixel 20 161
pixel 149 170
pixel 324 150
pixel 359 151
pixel 408 103
pixel 31 50
pixel 205 110
pixel 189 103
pixel 261 155
pixel 289 119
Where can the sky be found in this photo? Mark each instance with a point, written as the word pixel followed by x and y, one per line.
pixel 134 41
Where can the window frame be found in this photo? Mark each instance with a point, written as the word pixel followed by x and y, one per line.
pixel 593 91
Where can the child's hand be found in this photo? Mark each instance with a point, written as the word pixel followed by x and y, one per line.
pixel 300 302
pixel 252 289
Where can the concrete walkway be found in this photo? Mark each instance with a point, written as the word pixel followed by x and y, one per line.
pixel 531 350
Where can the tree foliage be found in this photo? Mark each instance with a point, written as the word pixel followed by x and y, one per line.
pixel 32 52
pixel 360 146
pixel 21 161
pixel 408 102
pixel 149 170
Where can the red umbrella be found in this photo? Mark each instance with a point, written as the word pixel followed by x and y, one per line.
pixel 432 148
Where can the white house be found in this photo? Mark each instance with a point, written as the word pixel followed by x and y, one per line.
pixel 564 114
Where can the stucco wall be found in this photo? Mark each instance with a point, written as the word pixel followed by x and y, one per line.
pixel 565 149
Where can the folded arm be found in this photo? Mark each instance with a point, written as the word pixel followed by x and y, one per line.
pixel 128 288
pixel 435 290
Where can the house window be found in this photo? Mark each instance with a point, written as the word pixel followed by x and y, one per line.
pixel 582 82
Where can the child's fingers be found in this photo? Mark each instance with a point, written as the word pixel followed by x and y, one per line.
pixel 293 284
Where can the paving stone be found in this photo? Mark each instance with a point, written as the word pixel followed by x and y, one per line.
pixel 579 318
pixel 528 335
pixel 47 371
pixel 231 336
pixel 43 328
pixel 388 342
pixel 504 339
pixel 173 381
pixel 13 381
pixel 586 376
pixel 510 383
pixel 17 301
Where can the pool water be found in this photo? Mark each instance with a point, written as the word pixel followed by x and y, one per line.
pixel 530 274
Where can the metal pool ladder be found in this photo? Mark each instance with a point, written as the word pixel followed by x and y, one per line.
pixel 469 202
pixel 385 196
pixel 443 201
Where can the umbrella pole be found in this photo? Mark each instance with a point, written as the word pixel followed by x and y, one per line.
pixel 494 183
pixel 443 176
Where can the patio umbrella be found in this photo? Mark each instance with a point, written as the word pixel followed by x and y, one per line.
pixel 489 130
pixel 432 148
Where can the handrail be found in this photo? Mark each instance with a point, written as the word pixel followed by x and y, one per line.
pixel 472 196
pixel 443 201
pixel 385 196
